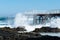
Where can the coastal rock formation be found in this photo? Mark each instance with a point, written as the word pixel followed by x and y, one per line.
pixel 46 29
pixel 45 38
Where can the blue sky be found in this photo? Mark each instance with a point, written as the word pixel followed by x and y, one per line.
pixel 11 7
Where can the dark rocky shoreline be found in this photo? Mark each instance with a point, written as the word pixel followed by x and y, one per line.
pixel 46 37
pixel 13 34
pixel 36 36
pixel 47 29
pixel 6 35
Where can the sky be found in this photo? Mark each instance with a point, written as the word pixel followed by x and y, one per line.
pixel 12 7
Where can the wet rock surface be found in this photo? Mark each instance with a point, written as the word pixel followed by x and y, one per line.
pixel 35 36
pixel 45 38
pixel 11 34
pixel 47 29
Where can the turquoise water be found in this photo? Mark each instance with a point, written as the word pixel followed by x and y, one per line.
pixel 5 21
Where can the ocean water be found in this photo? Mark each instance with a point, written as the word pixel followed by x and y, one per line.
pixel 27 19
pixel 23 20
pixel 20 21
pixel 6 22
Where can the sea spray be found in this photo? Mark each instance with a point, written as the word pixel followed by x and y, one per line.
pixel 55 22
pixel 23 20
pixel 20 20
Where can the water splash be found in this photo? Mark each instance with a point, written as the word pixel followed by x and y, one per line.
pixel 55 22
pixel 23 20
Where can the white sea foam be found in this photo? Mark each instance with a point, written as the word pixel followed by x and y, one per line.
pixel 55 22
pixel 23 20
